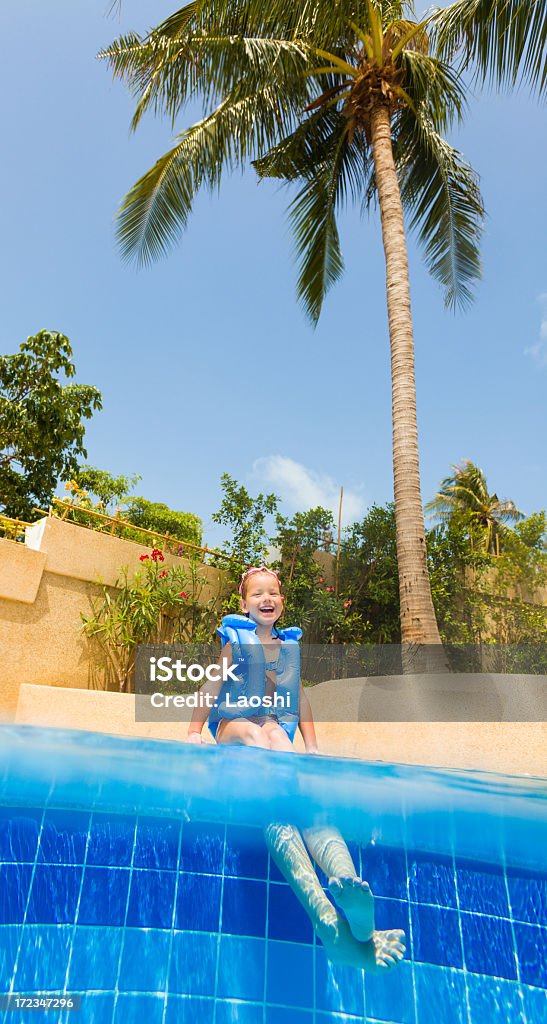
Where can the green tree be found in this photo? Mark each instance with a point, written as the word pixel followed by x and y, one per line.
pixel 154 515
pixel 41 421
pixel 246 518
pixel 368 571
pixel 349 101
pixel 297 539
pixel 112 494
pixel 110 491
pixel 466 491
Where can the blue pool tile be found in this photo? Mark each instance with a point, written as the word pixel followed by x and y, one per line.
pixel 390 914
pixel 229 1012
pixel 384 869
pixel 43 959
pixel 482 890
pixel 184 1010
pixel 97 1008
pixel 202 847
pixel 287 918
pixel 15 882
pixel 528 897
pixel 19 831
pixel 144 960
pixel 246 852
pixel 157 843
pixel 241 968
pixel 492 999
pixel 198 903
pixel 436 936
pixel 274 872
pixel 287 1015
pixel 535 1004
pixel 111 840
pixel 94 959
pixel 10 935
pixel 135 1009
pixel 54 894
pixel 488 946
pixel 391 997
pixel 431 879
pixel 338 988
pixel 151 899
pixel 63 837
pixel 532 954
pixel 104 896
pixel 193 963
pixel 244 907
pixel 440 995
pixel 290 974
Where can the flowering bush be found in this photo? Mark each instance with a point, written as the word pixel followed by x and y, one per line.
pixel 149 608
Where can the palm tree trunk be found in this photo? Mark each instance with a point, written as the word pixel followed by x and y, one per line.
pixel 418 621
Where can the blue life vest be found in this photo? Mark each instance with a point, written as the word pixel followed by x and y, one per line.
pixel 250 666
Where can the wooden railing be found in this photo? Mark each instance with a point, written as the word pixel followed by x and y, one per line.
pixel 117 525
pixel 13 529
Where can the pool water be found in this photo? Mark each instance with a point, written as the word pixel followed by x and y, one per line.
pixel 132 874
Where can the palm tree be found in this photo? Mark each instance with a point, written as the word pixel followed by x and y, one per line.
pixel 466 492
pixel 348 101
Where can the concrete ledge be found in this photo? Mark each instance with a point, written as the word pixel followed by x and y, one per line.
pixel 20 571
pixel 513 748
pixel 90 710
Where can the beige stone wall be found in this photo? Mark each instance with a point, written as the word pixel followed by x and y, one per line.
pixel 45 586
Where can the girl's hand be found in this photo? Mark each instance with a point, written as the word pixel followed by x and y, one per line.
pixel 194 737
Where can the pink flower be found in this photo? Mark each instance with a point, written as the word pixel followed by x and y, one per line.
pixel 321 580
pixel 183 594
pixel 347 604
pixel 330 590
pixel 142 558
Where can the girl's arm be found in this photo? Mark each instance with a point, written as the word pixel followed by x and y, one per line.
pixel 201 713
pixel 305 723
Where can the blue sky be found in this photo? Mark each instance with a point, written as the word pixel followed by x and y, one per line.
pixel 205 361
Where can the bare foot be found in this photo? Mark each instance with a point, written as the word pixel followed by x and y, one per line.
pixel 382 952
pixel 355 898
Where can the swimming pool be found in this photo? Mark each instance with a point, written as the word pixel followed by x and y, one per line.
pixel 135 874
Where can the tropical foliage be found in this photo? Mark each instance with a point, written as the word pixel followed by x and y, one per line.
pixel 98 490
pixel 466 492
pixel 41 421
pixel 346 102
pixel 162 604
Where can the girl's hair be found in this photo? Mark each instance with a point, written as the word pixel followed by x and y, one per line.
pixel 246 577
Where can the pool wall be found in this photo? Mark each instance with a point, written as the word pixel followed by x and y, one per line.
pixel 157 920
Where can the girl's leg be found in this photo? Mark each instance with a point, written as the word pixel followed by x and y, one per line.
pixel 241 732
pixel 352 894
pixel 382 950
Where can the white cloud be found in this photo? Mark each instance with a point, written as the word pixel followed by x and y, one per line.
pixel 538 350
pixel 303 488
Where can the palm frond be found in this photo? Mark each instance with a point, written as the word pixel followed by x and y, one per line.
pixel 500 40
pixel 313 218
pixel 441 194
pixel 156 209
pixel 164 73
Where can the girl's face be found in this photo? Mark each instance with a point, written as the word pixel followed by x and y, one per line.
pixel 263 602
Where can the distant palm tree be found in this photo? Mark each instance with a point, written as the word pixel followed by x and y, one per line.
pixel 466 491
pixel 348 100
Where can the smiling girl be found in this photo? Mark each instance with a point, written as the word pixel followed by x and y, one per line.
pixel 266 660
